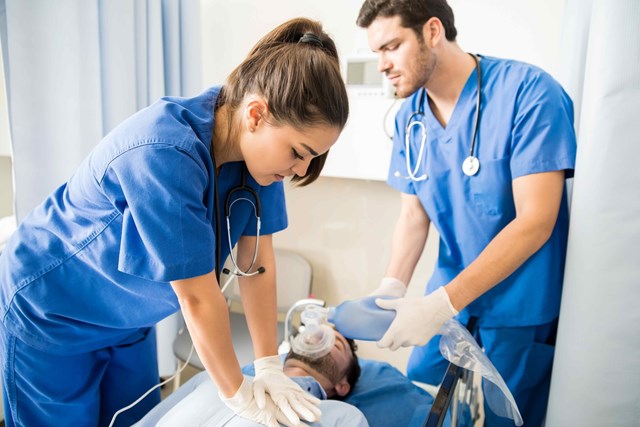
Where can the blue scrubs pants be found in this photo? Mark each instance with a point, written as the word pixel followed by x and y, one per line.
pixel 523 356
pixel 41 389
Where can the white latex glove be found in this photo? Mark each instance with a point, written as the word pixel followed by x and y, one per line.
pixel 244 404
pixel 417 320
pixel 390 286
pixel 289 398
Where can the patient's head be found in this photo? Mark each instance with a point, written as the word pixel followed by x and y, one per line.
pixel 337 371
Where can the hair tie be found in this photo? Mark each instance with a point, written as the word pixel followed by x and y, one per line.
pixel 311 39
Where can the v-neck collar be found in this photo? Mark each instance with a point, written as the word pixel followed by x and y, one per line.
pixel 467 99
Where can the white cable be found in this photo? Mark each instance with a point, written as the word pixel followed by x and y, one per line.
pixel 228 282
pixel 119 411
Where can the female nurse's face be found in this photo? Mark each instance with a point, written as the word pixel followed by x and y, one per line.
pixel 274 152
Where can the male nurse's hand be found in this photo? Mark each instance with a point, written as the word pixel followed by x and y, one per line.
pixel 270 383
pixel 391 287
pixel 417 320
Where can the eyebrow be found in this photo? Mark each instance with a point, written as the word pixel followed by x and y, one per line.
pixel 310 150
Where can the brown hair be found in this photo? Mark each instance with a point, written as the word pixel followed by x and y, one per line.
pixel 353 369
pixel 413 14
pixel 295 67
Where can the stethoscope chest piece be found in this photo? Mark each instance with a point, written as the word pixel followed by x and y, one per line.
pixel 471 166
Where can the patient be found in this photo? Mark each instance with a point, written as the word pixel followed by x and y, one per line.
pixel 361 393
pixel 336 372
pixel 332 376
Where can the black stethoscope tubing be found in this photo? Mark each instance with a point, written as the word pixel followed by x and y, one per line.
pixel 227 210
pixel 476 124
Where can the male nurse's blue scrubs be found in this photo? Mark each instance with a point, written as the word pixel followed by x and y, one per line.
pixel 526 128
pixel 86 275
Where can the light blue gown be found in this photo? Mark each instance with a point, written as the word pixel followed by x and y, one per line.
pixel 197 403
pixel 87 273
pixel 526 127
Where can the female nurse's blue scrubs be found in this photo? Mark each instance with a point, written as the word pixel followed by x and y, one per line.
pixel 86 275
pixel 526 127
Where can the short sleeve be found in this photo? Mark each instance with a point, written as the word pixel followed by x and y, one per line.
pixel 166 231
pixel 543 136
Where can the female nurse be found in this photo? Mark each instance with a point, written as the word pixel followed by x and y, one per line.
pixel 139 232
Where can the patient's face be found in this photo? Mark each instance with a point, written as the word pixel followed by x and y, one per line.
pixel 328 369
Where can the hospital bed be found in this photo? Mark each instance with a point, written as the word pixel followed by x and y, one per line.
pixel 383 394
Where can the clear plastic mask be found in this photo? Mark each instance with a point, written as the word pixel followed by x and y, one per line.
pixel 317 338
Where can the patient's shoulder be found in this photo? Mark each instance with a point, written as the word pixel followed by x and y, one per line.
pixel 338 414
pixel 387 397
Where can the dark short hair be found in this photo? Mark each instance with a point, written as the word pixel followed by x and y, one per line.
pixel 353 369
pixel 300 79
pixel 413 14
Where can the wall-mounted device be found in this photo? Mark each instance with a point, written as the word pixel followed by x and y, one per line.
pixel 364 147
pixel 364 79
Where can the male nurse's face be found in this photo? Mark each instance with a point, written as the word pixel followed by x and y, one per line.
pixel 405 60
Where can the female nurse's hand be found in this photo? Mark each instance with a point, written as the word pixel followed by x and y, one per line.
pixel 390 286
pixel 243 404
pixel 417 320
pixel 289 398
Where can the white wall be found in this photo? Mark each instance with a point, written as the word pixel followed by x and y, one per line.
pixel 344 225
pixel 526 30
pixel 231 27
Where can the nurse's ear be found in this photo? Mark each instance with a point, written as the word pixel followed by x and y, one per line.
pixel 255 113
pixel 433 32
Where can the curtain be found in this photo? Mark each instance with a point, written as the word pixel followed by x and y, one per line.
pixel 74 69
pixel 596 373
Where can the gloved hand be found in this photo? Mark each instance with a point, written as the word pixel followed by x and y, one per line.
pixel 390 286
pixel 289 398
pixel 417 319
pixel 244 404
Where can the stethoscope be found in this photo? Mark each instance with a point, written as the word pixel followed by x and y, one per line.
pixel 470 165
pixel 245 193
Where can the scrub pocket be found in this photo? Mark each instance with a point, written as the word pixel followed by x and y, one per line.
pixel 491 190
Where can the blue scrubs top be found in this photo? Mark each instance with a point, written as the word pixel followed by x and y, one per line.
pixel 92 263
pixel 526 127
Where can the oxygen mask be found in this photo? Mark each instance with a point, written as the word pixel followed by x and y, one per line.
pixel 316 338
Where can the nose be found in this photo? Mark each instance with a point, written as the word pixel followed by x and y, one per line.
pixel 383 63
pixel 301 167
